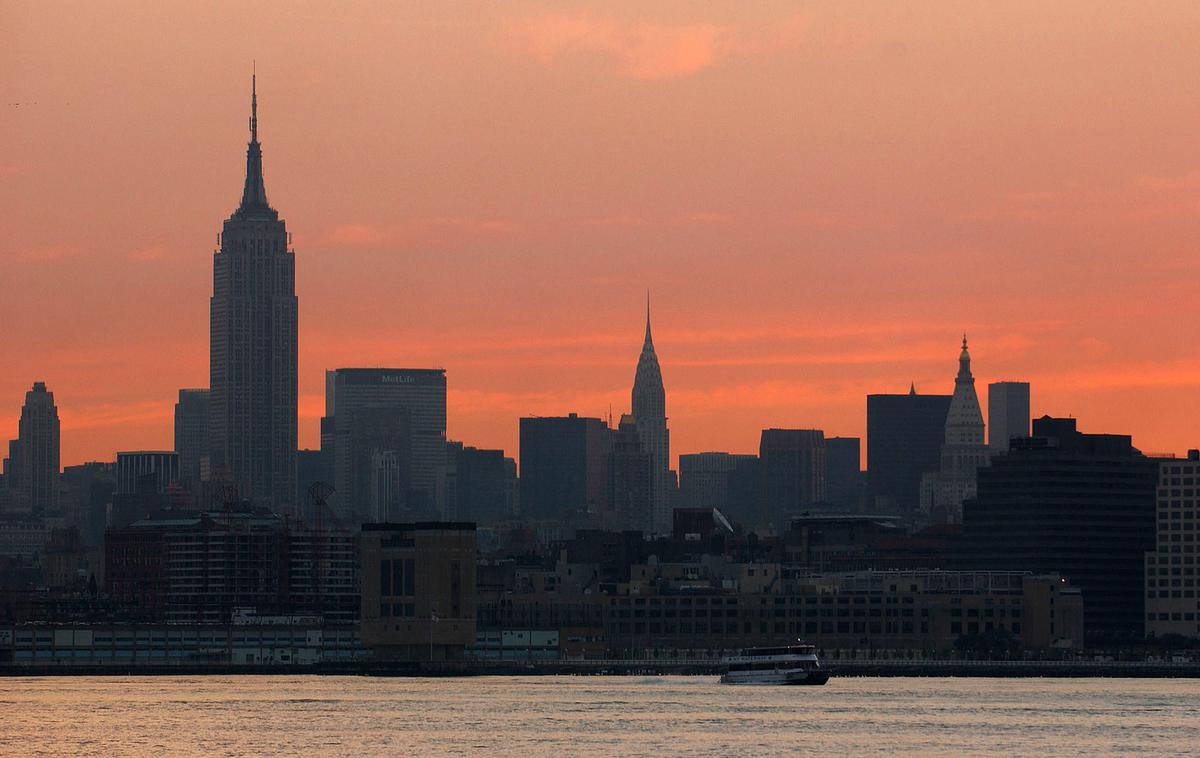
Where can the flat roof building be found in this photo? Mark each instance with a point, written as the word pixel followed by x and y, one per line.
pixel 905 434
pixel 418 589
pixel 1171 572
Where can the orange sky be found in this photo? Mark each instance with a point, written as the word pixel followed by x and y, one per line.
pixel 821 196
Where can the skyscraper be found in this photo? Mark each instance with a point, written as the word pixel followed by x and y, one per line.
pixel 1008 414
pixel 650 413
pixel 963 451
pixel 191 435
pixel 704 479
pixel 396 410
pixel 253 345
pixel 32 468
pixel 843 472
pixel 792 462
pixel 481 486
pixel 629 477
pixel 564 468
pixel 905 434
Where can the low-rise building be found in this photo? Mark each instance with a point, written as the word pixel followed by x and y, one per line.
pixel 713 606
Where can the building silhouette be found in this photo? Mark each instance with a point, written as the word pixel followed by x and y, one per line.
pixel 191 436
pixel 482 485
pixel 905 434
pixel 706 480
pixel 792 462
pixel 1082 505
pixel 32 467
pixel 133 467
pixel 843 473
pixel 1008 414
pixel 630 476
pixel 650 413
pixel 963 451
pixel 386 425
pixel 564 468
pixel 253 345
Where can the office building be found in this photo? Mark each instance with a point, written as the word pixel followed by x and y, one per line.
pixel 1082 505
pixel 630 476
pixel 90 488
pixel 564 468
pixel 32 468
pixel 843 473
pixel 418 589
pixel 650 413
pixel 1172 606
pixel 482 485
pixel 963 452
pixel 191 437
pixel 159 466
pixel 905 434
pixel 705 479
pixel 385 422
pixel 253 346
pixel 792 462
pixel 1008 414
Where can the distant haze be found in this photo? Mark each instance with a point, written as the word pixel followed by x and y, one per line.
pixel 821 198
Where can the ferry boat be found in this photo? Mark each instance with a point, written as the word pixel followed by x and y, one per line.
pixel 795 664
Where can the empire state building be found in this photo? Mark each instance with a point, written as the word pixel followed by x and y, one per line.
pixel 253 344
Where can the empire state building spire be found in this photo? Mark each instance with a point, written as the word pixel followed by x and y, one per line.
pixel 254 194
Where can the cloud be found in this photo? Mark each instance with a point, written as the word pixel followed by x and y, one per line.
pixel 1183 374
pixel 105 415
pixel 437 230
pixel 641 50
pixel 651 51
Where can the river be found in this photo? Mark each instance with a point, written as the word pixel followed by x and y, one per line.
pixel 594 716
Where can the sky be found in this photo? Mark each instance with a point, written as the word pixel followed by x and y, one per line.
pixel 821 198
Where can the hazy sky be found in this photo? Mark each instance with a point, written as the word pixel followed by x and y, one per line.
pixel 821 197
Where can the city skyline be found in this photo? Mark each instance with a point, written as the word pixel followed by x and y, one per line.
pixel 755 329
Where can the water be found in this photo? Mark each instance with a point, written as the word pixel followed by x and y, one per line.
pixel 619 716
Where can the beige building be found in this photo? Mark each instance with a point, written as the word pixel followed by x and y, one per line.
pixel 418 589
pixel 1171 601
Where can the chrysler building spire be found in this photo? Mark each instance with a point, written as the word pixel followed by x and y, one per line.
pixel 650 412
pixel 649 343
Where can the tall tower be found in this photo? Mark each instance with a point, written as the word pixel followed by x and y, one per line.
pixel 964 422
pixel 33 464
pixel 650 413
pixel 252 358
pixel 1008 414
pixel 963 451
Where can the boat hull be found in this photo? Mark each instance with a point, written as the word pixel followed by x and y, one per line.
pixel 789 678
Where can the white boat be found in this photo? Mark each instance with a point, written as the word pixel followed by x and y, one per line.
pixel 795 664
